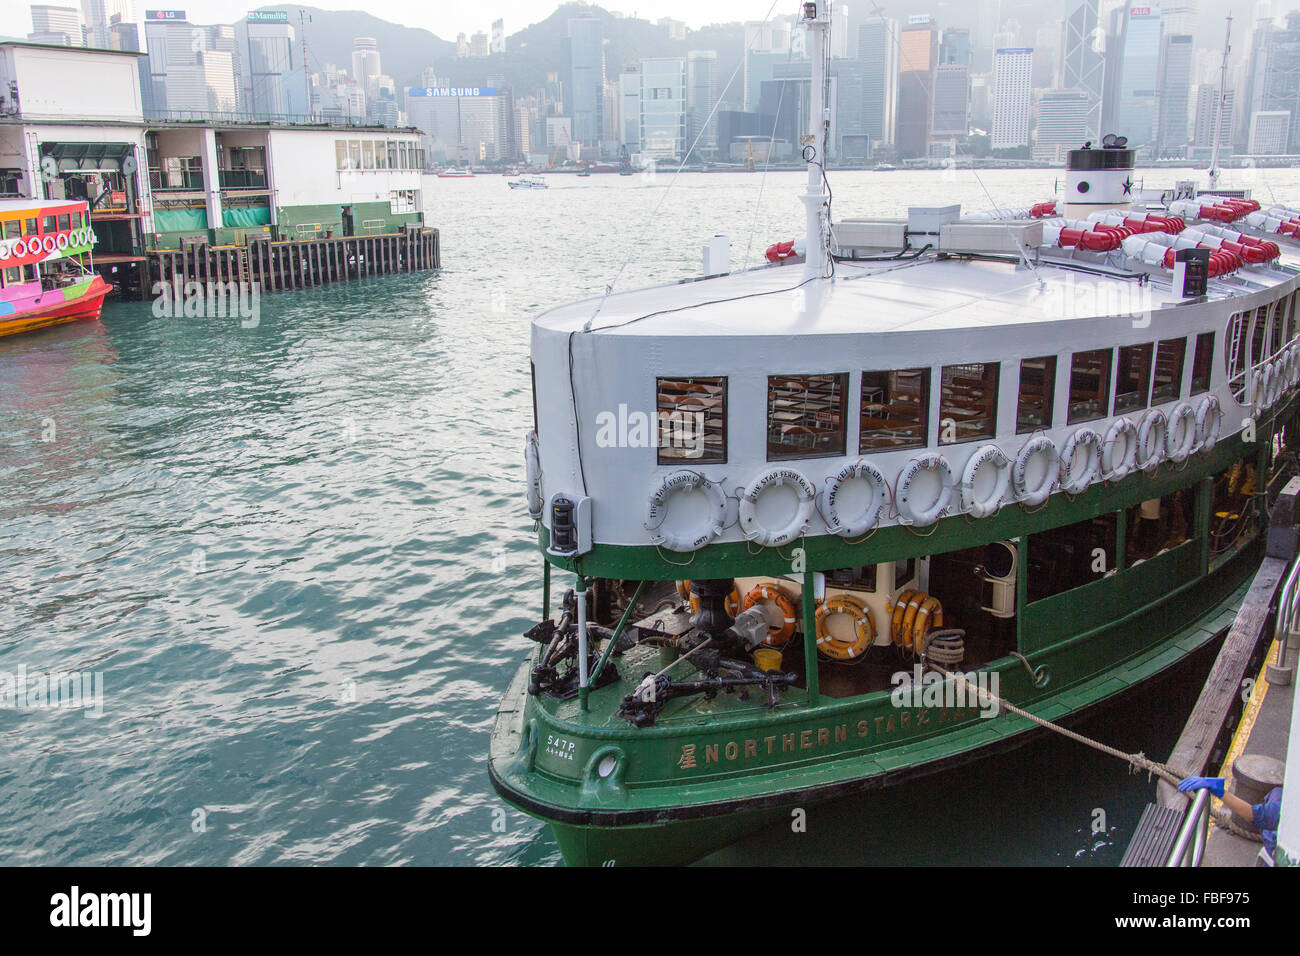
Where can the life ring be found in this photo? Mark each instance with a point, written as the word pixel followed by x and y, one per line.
pixel 1178 450
pixel 61 241
pixel 48 243
pixel 533 476
pixel 657 511
pixel 1122 437
pixel 20 248
pixel 784 602
pixel 82 238
pixel 864 520
pixel 1262 380
pixel 5 252
pixel 1209 420
pixel 1036 447
pixel 731 604
pixel 898 614
pixel 928 615
pixel 750 526
pixel 1075 479
pixel 864 628
pixel 1152 436
pixel 907 510
pixel 989 456
pixel 1275 383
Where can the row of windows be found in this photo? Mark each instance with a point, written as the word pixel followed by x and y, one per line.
pixel 807 415
pixel 378 154
pixel 43 225
pixel 1256 334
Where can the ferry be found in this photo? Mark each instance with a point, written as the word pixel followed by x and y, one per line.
pixel 528 182
pixel 457 174
pixel 45 265
pixel 810 524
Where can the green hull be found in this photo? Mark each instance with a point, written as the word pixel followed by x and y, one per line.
pixel 709 773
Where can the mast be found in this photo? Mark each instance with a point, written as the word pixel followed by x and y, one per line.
pixel 1223 99
pixel 816 20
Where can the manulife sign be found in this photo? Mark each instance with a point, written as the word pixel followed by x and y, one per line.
pixel 268 16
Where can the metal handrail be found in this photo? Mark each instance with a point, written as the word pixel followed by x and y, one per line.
pixel 1288 610
pixel 1189 847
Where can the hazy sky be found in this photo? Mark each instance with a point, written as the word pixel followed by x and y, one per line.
pixel 443 18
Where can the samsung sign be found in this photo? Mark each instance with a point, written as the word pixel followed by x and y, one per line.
pixel 451 91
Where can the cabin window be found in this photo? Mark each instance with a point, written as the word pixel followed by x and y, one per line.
pixel 12 275
pixel 65 222
pixel 895 410
pixel 1157 525
pixel 50 224
pixel 1169 370
pixel 13 228
pixel 1065 558
pixel 341 153
pixel 367 154
pixel 692 416
pixel 32 227
pixel 392 154
pixel 1132 378
pixel 1202 363
pixel 968 402
pixel 1290 316
pixel 806 415
pixel 1037 388
pixel 381 155
pixel 354 153
pixel 1089 385
pixel 853 579
pixel 1232 507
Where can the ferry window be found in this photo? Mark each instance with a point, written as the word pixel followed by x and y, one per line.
pixel 1037 386
pixel 805 415
pixel 32 227
pixel 392 154
pixel 367 154
pixel 354 154
pixel 853 579
pixel 341 153
pixel 1169 370
pixel 13 228
pixel 1065 558
pixel 49 223
pixel 895 410
pixel 65 222
pixel 12 275
pixel 1202 363
pixel 1232 507
pixel 1089 385
pixel 1290 316
pixel 968 402
pixel 692 416
pixel 1157 525
pixel 381 155
pixel 1132 378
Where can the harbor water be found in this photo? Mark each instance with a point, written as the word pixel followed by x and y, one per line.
pixel 293 547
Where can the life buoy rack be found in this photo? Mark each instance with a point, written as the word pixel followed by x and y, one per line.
pixel 1119 451
pixel 907 509
pixel 679 482
pixel 1209 420
pixel 1038 447
pixel 1153 433
pixel 1075 478
pixel 864 628
pixel 864 520
pixel 533 476
pixel 913 614
pixel 1178 448
pixel 753 529
pixel 989 456
pixel 1262 381
pixel 898 611
pixel 777 635
pixel 731 604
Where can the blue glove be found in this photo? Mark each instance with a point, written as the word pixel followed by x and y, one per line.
pixel 1212 784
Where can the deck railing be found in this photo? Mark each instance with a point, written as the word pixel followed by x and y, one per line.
pixel 1189 846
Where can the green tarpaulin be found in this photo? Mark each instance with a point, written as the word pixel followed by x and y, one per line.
pixel 179 220
pixel 242 217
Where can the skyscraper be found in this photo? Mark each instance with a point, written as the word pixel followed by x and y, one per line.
pixel 1138 77
pixel 1207 117
pixel 663 108
pixel 191 67
pixel 272 81
pixel 917 56
pixel 878 52
pixel 1062 124
pixel 951 116
pixel 58 25
pixel 701 95
pixel 1273 84
pixel 365 59
pixel 1174 94
pixel 1012 97
pixel 1083 62
pixel 586 91
pixel 629 108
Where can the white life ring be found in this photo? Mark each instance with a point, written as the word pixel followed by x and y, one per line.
pixel 80 237
pixel 988 456
pixel 864 520
pixel 61 241
pixel 907 510
pixel 753 529
pixel 48 243
pixel 533 475
pixel 5 250
pixel 1177 449
pixel 1119 451
pixel 1036 447
pixel 1152 435
pixel 1075 479
pixel 1263 382
pixel 20 248
pixel 657 512
pixel 1209 420
pixel 1275 386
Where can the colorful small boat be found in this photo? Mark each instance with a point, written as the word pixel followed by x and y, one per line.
pixel 45 265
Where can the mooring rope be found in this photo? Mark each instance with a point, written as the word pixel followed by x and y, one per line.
pixel 1136 761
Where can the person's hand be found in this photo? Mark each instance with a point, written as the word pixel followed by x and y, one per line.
pixel 1212 784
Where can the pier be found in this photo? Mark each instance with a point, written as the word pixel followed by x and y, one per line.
pixel 294 263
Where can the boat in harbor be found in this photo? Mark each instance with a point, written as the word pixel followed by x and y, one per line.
pixel 818 517
pixel 528 182
pixel 457 174
pixel 45 265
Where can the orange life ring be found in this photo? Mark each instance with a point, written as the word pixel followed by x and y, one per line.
pixel 784 601
pixel 899 609
pixel 863 621
pixel 732 604
pixel 928 615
